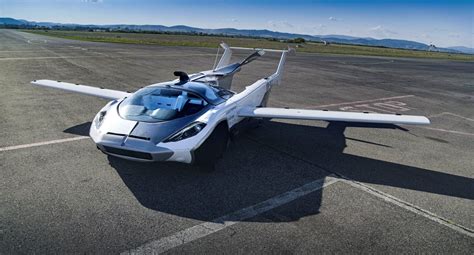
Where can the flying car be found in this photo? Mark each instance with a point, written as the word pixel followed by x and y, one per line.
pixel 190 119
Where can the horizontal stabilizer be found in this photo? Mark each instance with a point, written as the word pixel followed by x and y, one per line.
pixel 252 57
pixel 88 90
pixel 283 113
pixel 235 67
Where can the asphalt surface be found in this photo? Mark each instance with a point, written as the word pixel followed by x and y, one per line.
pixel 407 189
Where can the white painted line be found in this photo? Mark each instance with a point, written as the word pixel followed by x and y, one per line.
pixel 375 63
pixel 102 55
pixel 23 146
pixel 459 116
pixel 14 51
pixel 193 233
pixel 364 101
pixel 410 207
pixel 56 57
pixel 452 114
pixel 447 131
pixel 367 106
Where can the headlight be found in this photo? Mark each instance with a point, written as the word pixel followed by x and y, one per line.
pixel 100 117
pixel 186 132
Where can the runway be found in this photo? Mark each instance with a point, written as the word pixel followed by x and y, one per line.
pixel 284 187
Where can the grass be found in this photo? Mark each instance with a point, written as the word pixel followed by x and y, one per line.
pixel 213 41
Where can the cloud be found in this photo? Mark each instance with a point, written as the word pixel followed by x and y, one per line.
pixel 333 18
pixel 377 28
pixel 280 24
pixel 233 20
pixel 427 36
pixel 380 31
pixel 271 23
pixel 319 28
pixel 92 1
pixel 288 24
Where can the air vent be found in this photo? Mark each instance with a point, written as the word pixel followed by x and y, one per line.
pixel 117 134
pixel 140 137
pixel 128 153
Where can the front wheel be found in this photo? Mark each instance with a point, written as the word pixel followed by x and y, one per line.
pixel 206 156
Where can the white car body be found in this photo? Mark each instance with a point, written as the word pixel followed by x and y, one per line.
pixel 139 140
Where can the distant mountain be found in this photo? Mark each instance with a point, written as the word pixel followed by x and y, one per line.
pixel 11 21
pixel 389 43
pixel 463 49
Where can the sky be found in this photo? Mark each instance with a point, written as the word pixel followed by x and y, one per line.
pixel 441 22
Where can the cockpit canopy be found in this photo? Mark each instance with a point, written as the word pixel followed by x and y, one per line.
pixel 155 104
pixel 167 102
pixel 211 93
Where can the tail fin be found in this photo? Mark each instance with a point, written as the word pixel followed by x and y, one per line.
pixel 226 56
pixel 278 74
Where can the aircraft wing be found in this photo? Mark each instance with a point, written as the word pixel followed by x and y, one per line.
pixel 283 113
pixel 88 90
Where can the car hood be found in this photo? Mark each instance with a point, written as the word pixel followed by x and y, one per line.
pixel 158 131
pixel 154 132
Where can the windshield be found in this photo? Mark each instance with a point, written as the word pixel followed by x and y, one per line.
pixel 213 94
pixel 223 93
pixel 213 91
pixel 160 104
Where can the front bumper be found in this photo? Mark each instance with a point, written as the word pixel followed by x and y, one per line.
pixel 130 148
pixel 136 155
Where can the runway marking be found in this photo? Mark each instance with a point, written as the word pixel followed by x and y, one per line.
pixel 391 107
pixel 105 56
pixel 394 105
pixel 364 101
pixel 23 146
pixel 452 114
pixel 410 207
pixel 388 198
pixel 363 107
pixel 39 40
pixel 375 63
pixel 357 63
pixel 202 230
pixel 35 51
pixel 447 131
pixel 56 57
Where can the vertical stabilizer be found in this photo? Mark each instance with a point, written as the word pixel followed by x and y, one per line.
pixel 277 75
pixel 226 56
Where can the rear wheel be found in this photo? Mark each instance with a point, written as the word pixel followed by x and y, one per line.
pixel 206 156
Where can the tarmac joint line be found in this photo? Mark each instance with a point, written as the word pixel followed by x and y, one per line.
pixel 204 229
pixel 386 197
pixel 410 207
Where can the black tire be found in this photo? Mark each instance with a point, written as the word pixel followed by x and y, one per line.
pixel 206 156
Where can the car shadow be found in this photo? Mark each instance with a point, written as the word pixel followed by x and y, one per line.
pixel 270 160
pixel 81 129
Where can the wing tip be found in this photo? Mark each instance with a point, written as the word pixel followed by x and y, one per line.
pixel 426 121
